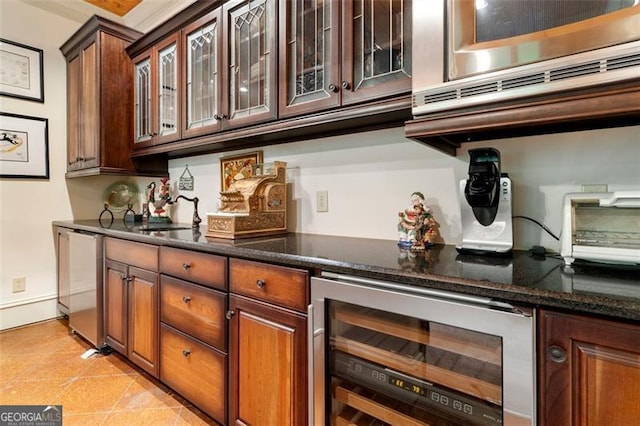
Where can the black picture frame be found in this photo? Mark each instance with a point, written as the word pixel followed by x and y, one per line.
pixel 21 71
pixel 24 146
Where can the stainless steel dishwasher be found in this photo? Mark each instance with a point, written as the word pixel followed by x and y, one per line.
pixel 383 353
pixel 85 287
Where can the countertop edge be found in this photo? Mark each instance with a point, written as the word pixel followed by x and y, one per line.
pixel 627 309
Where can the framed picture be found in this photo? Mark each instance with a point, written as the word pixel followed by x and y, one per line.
pixel 21 71
pixel 237 167
pixel 24 146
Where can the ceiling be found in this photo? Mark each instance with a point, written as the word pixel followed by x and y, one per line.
pixel 119 7
pixel 142 15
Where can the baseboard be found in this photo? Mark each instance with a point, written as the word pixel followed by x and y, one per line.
pixel 23 312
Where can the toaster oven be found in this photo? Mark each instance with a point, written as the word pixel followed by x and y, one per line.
pixel 601 227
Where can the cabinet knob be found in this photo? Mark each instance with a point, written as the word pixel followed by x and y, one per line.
pixel 557 354
pixel 346 85
pixel 186 352
pixel 220 116
pixel 186 266
pixel 229 314
pixel 125 279
pixel 260 283
pixel 186 299
pixel 333 88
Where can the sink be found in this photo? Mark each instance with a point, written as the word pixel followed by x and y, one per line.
pixel 163 227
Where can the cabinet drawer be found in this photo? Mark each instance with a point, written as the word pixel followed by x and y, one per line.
pixel 194 370
pixel 277 284
pixel 202 268
pixel 196 310
pixel 142 255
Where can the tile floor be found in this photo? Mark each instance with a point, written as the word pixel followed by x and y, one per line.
pixel 40 364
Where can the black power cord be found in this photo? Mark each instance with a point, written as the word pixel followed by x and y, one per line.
pixel 541 225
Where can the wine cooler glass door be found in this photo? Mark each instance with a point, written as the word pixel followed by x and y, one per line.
pixel 385 354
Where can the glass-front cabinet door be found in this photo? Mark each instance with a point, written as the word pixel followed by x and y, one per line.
pixel 142 98
pixel 377 52
pixel 157 93
pixel 202 44
pixel 167 90
pixel 250 75
pixel 309 56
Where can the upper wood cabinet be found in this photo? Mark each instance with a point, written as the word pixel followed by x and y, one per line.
pixel 157 93
pixel 320 69
pixel 99 83
pixel 217 72
pixel 309 56
pixel 255 72
pixel 202 79
pixel 376 50
pixel 250 46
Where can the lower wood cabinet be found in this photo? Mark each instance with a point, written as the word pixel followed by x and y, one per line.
pixel 230 335
pixel 131 302
pixel 589 371
pixel 193 328
pixel 195 370
pixel 268 364
pixel 195 310
pixel 267 344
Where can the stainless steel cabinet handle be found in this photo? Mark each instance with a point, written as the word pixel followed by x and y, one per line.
pixel 557 354
pixel 186 352
pixel 186 266
pixel 186 299
pixel 229 314
pixel 260 283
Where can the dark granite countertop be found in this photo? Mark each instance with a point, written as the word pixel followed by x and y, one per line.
pixel 520 278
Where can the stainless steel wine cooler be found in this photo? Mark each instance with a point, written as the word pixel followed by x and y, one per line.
pixel 389 354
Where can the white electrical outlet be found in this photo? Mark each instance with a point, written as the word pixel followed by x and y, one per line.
pixel 322 201
pixel 19 284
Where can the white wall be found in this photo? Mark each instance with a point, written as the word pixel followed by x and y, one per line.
pixel 27 207
pixel 370 177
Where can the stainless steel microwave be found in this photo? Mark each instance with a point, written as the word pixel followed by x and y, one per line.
pixel 468 52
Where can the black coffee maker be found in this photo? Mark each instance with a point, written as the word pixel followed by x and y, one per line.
pixel 485 201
